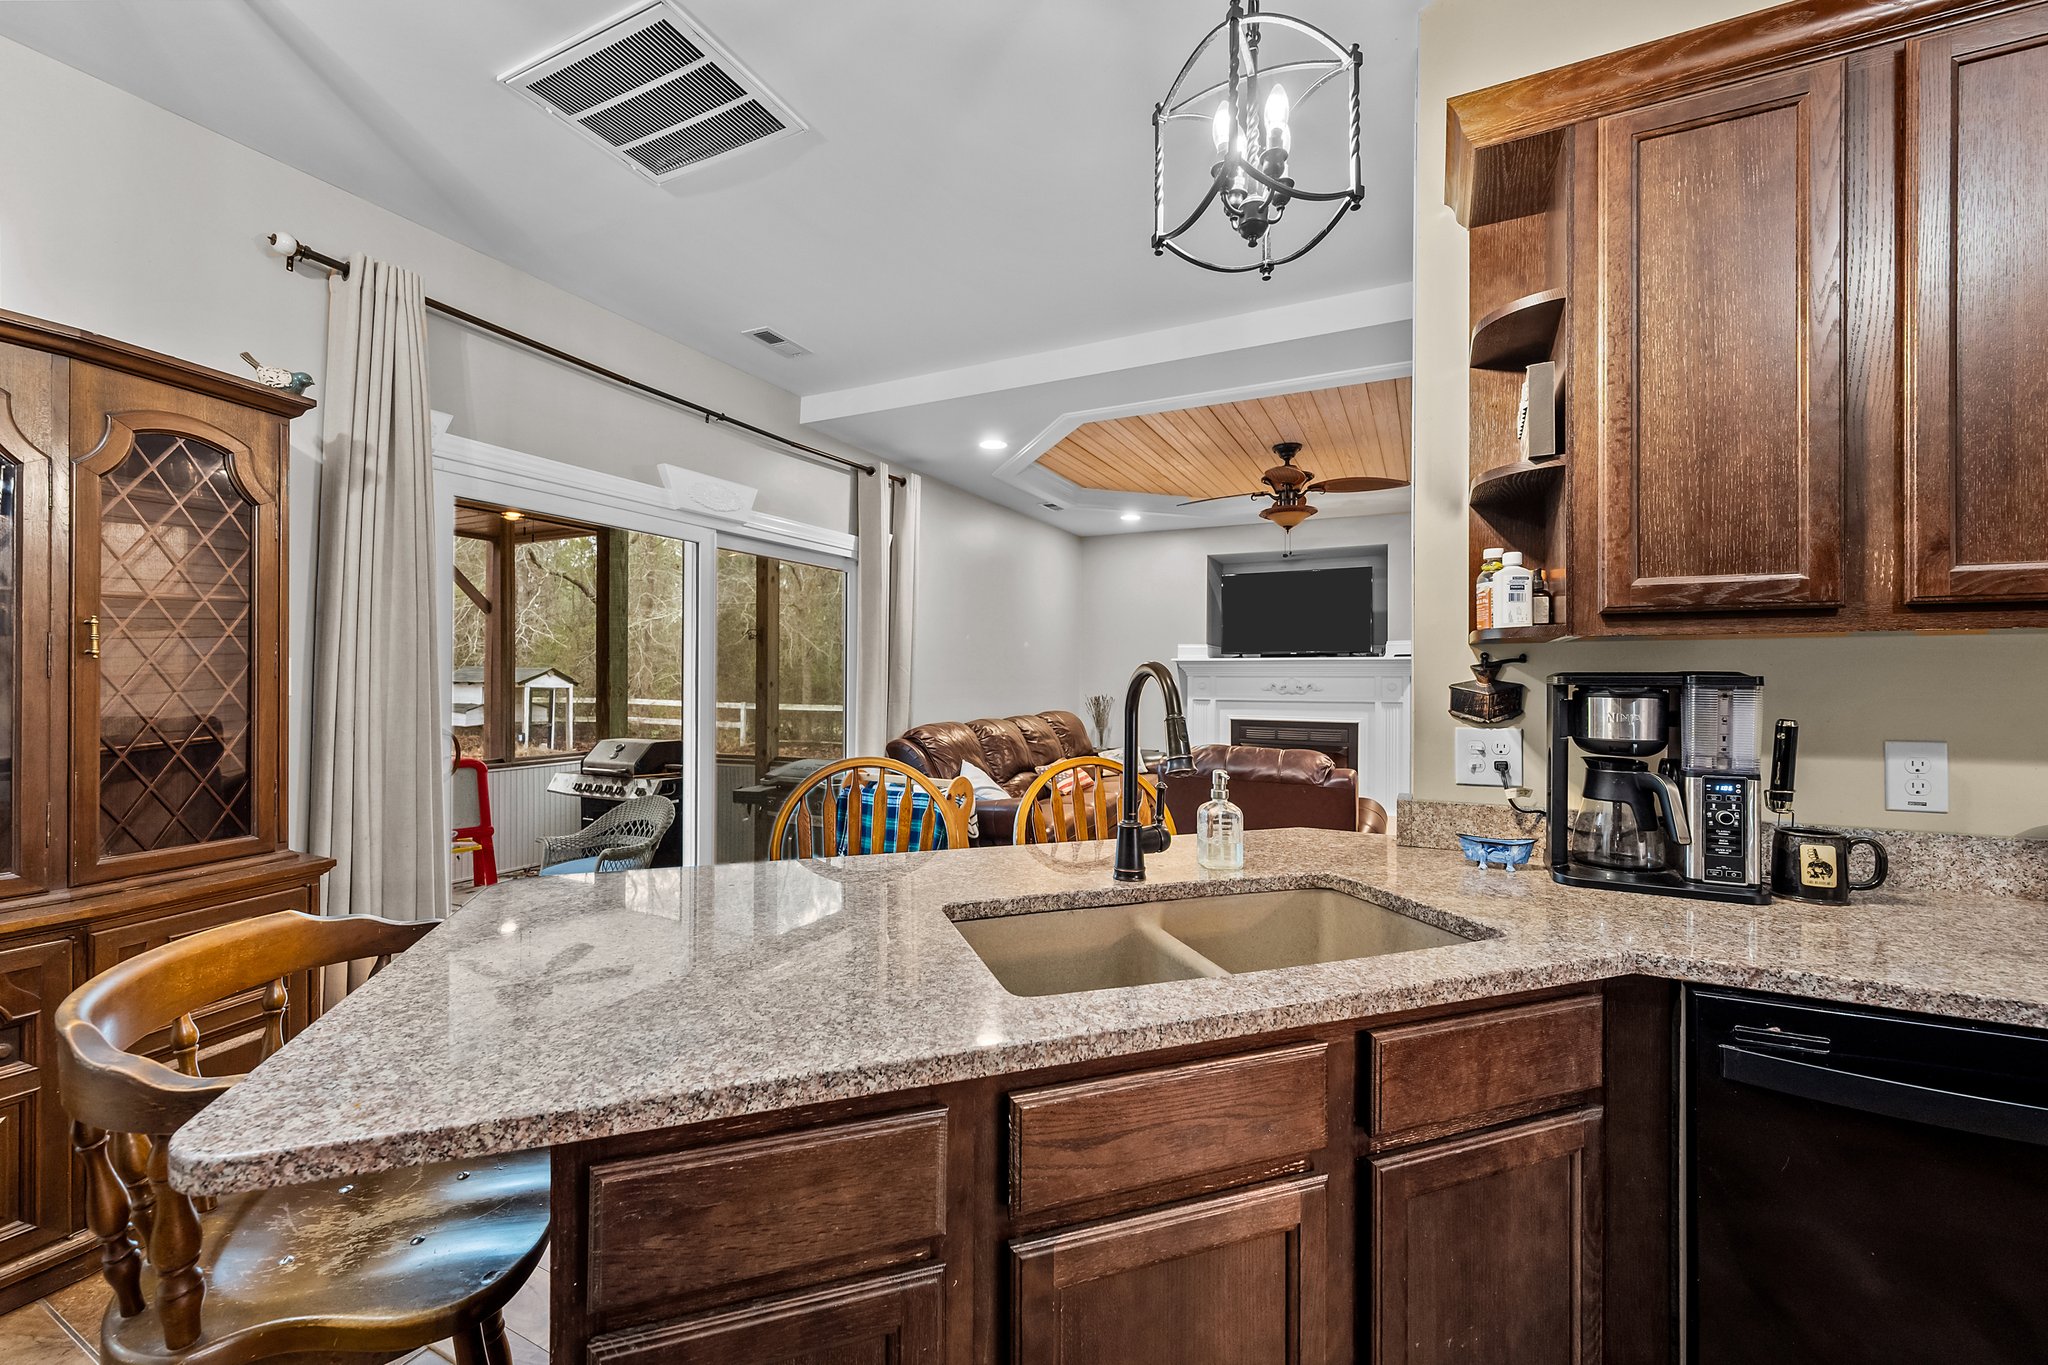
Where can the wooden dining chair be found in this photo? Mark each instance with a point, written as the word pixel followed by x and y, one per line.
pixel 364 1269
pixel 871 805
pixel 1087 809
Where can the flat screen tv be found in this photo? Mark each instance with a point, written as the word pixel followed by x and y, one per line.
pixel 1297 611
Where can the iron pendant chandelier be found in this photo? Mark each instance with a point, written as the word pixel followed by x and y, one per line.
pixel 1249 120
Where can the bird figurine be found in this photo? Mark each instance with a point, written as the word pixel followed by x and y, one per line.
pixel 292 381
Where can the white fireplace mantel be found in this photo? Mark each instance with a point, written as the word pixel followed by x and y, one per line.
pixel 1372 694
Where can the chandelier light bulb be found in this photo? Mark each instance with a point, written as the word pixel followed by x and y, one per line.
pixel 1277 135
pixel 1219 127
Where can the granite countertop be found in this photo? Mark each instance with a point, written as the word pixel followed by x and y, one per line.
pixel 555 1009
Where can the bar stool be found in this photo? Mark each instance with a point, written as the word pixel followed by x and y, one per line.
pixel 363 1269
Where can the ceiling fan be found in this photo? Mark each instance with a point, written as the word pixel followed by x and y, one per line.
pixel 1288 486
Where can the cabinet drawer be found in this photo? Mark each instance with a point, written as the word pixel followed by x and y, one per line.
pixel 1093 1139
pixel 231 1031
pixel 684 1229
pixel 112 946
pixel 1448 1075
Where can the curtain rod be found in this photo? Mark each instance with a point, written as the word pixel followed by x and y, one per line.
pixel 295 251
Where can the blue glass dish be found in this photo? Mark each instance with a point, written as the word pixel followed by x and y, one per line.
pixel 1488 852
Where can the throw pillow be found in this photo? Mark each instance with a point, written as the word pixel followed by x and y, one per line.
pixel 985 786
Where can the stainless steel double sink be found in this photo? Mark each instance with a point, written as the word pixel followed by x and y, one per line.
pixel 1101 947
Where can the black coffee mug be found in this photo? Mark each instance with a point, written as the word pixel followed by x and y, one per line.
pixel 1813 865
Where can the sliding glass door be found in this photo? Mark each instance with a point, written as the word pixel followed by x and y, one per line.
pixel 782 687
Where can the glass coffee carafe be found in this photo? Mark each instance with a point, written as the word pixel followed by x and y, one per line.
pixel 1617 822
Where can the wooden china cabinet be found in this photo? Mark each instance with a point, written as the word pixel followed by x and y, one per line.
pixel 142 716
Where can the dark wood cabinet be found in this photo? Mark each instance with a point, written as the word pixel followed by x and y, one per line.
pixel 1423 1187
pixel 39 1213
pixel 1796 260
pixel 1218 1281
pixel 1487 1248
pixel 142 694
pixel 1721 291
pixel 1976 237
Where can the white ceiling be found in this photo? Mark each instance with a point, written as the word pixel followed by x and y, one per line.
pixel 966 219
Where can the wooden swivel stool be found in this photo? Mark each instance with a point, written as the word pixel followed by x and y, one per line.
pixel 354 1271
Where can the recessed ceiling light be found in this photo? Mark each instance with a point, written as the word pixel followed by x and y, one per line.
pixel 994 443
pixel 1131 516
pixel 512 514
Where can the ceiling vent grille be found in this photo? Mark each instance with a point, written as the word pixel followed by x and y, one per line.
pixel 777 342
pixel 657 93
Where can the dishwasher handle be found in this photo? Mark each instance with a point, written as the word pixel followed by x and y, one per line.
pixel 1951 1109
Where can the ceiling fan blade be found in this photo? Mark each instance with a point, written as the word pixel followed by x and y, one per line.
pixel 1356 484
pixel 1226 497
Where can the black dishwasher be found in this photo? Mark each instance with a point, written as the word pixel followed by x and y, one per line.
pixel 1865 1186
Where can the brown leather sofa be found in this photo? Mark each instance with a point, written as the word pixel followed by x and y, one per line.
pixel 1276 789
pixel 1010 749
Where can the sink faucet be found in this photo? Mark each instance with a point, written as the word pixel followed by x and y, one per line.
pixel 1134 841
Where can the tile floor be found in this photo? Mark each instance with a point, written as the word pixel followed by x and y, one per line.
pixel 64 1329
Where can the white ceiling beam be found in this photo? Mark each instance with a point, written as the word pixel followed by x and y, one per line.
pixel 1239 331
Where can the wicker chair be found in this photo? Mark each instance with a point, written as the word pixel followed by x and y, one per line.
pixel 620 840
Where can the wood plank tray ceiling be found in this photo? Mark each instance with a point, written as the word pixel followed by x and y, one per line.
pixel 1359 429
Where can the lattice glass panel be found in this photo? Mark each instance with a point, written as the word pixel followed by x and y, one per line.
pixel 177 572
pixel 10 647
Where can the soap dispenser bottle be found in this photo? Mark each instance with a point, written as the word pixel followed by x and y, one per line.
pixel 1219 829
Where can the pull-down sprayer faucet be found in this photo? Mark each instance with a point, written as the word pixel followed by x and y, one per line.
pixel 1134 841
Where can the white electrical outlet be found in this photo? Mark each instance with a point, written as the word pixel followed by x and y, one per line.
pixel 1477 750
pixel 1916 774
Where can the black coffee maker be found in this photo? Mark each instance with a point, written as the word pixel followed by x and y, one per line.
pixel 1670 798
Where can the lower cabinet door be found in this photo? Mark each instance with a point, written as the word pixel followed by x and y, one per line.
pixel 892 1320
pixel 36 1182
pixel 1487 1249
pixel 1232 1279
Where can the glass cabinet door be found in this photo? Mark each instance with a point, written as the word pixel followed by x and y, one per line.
pixel 31 712
pixel 168 570
pixel 10 651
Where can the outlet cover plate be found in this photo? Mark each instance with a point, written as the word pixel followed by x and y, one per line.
pixel 1477 748
pixel 1916 775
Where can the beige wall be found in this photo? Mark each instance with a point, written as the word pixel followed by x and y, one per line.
pixel 996 592
pixel 121 218
pixel 1980 693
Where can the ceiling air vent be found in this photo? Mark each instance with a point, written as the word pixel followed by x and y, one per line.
pixel 777 342
pixel 657 93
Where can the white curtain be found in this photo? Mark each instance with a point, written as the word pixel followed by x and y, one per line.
pixel 377 797
pixel 886 514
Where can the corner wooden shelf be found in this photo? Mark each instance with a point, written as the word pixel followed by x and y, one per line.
pixel 1519 487
pixel 1519 635
pixel 1517 335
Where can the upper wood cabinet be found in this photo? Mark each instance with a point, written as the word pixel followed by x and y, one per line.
pixel 1802 257
pixel 1721 290
pixel 1976 316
